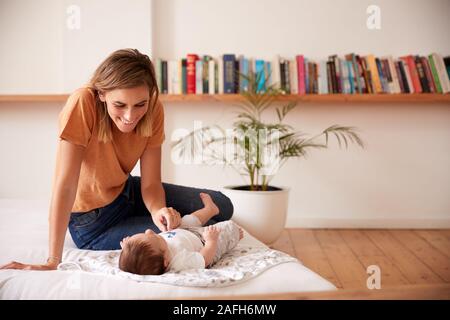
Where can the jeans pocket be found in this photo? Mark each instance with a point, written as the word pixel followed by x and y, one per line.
pixel 82 220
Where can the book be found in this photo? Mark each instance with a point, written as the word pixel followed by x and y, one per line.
pixel 173 84
pixel 205 74
pixel 220 75
pixel 190 73
pixel 165 85
pixel 323 81
pixel 447 66
pixel 212 76
pixel 293 78
pixel 421 74
pixel 199 76
pixel 401 77
pixel 437 82
pixel 300 73
pixel 357 87
pixel 395 85
pixel 229 73
pixel 245 71
pixel 442 72
pixel 429 76
pixel 184 75
pixel 408 76
pixel 260 72
pixel 374 76
pixel 276 73
pixel 414 76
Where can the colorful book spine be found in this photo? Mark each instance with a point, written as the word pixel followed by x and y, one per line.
pixel 211 76
pixel 199 77
pixel 205 74
pixel 260 75
pixel 184 75
pixel 293 78
pixel 244 70
pixel 323 78
pixel 165 86
pixel 229 73
pixel 301 73
pixel 421 73
pixel 428 74
pixel 276 73
pixel 437 82
pixel 394 75
pixel 401 78
pixel 190 69
pixel 410 63
pixel 374 76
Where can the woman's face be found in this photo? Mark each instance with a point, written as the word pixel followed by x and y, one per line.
pixel 126 106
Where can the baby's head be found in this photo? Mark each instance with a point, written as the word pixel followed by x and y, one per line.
pixel 144 253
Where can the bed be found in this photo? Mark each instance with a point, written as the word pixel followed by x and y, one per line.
pixel 23 237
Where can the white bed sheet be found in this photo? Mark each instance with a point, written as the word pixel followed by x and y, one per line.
pixel 24 236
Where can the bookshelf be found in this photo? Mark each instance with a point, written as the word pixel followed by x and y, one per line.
pixel 232 98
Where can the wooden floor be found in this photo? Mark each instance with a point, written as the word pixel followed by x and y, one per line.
pixel 405 257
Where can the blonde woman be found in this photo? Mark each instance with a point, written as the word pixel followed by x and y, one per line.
pixel 105 128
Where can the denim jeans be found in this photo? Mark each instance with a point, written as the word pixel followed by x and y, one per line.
pixel 104 228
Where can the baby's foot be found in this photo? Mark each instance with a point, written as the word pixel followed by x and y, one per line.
pixel 241 233
pixel 209 203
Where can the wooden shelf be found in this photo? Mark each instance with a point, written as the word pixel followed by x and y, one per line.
pixel 313 98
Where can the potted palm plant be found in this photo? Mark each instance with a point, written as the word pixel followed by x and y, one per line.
pixel 257 149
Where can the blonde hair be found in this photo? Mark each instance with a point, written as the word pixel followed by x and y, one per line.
pixel 125 68
pixel 140 257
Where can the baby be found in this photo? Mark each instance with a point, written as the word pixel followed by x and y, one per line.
pixel 190 246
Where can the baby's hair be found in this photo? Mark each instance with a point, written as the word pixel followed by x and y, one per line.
pixel 141 258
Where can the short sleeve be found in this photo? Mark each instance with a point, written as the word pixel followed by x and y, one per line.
pixel 76 120
pixel 185 260
pixel 158 134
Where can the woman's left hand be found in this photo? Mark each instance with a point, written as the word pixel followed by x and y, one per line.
pixel 167 219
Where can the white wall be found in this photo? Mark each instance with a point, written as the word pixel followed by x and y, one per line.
pixel 400 180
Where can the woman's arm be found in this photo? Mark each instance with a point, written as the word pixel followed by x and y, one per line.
pixel 65 182
pixel 153 192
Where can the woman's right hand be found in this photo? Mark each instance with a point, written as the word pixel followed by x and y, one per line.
pixel 22 266
pixel 166 219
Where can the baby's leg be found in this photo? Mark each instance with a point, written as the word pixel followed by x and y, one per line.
pixel 229 236
pixel 209 211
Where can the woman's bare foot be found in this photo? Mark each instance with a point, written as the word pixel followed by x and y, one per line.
pixel 209 203
pixel 241 233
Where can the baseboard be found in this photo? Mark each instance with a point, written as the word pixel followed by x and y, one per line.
pixel 305 222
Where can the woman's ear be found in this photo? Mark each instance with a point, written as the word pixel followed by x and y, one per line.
pixel 101 96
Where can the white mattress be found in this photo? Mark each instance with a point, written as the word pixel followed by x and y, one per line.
pixel 24 236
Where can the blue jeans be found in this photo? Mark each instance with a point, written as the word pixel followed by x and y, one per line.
pixel 104 228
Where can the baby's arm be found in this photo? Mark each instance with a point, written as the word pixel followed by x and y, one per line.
pixel 211 235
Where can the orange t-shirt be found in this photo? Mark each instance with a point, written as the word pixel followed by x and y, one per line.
pixel 105 166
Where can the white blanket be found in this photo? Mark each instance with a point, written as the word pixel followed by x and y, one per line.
pixel 240 264
pixel 24 238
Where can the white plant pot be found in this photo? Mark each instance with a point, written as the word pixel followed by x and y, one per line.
pixel 261 213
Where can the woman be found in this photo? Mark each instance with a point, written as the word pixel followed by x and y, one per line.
pixel 105 128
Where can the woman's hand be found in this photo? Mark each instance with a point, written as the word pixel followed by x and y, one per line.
pixel 166 219
pixel 21 266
